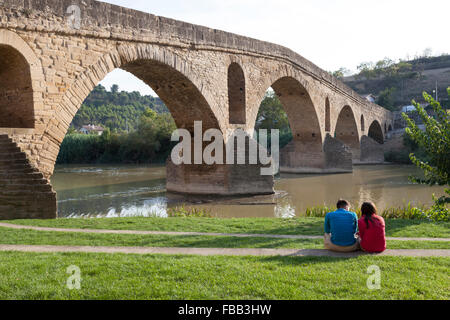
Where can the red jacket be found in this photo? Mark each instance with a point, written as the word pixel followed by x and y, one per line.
pixel 373 238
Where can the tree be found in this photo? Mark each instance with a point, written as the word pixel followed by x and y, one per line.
pixel 114 88
pixel 341 73
pixel 386 98
pixel 435 141
pixel 271 115
pixel 367 70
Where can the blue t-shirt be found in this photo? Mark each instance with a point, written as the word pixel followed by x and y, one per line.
pixel 343 225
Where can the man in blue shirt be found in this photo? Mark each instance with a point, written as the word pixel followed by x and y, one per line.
pixel 341 228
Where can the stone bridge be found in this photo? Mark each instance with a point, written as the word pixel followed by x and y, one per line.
pixel 54 52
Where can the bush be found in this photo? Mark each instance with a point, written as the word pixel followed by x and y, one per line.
pixel 438 212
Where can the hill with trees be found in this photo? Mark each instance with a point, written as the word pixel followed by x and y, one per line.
pixel 397 83
pixel 118 111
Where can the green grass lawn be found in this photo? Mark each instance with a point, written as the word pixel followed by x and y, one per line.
pixel 32 237
pixel 118 276
pixel 303 226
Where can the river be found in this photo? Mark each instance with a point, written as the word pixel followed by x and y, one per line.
pixel 126 191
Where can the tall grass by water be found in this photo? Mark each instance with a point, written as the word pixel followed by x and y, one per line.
pixel 407 211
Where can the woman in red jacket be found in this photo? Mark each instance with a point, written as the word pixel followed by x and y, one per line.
pixel 371 229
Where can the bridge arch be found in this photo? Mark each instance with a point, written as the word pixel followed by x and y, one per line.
pixel 302 115
pixel 376 132
pixel 306 148
pixel 168 75
pixel 20 73
pixel 363 123
pixel 347 130
pixel 236 94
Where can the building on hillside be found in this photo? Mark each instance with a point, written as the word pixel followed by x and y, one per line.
pixel 408 108
pixel 369 97
pixel 92 129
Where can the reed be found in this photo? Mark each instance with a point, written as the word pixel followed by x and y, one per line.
pixel 183 212
pixel 406 211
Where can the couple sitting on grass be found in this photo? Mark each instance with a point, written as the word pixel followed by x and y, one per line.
pixel 341 229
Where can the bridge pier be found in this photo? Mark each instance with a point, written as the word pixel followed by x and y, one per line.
pixel 372 152
pixel 300 157
pixel 25 193
pixel 218 180
pixel 222 179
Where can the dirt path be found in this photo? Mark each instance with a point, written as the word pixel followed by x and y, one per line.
pixel 238 235
pixel 219 251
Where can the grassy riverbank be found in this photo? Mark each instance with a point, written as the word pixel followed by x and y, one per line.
pixel 43 276
pixel 120 276
pixel 296 226
pixel 31 237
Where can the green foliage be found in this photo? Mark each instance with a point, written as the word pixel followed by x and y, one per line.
pixel 435 141
pixel 386 98
pixel 119 111
pixel 341 73
pixel 272 116
pixel 150 143
pixel 183 212
pixel 438 212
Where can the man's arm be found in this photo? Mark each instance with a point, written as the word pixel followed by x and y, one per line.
pixel 327 226
pixel 355 224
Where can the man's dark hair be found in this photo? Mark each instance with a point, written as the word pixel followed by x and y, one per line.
pixel 342 204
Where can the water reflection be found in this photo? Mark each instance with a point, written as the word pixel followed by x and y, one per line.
pixel 126 191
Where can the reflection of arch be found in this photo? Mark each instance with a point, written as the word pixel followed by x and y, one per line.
pixel 236 94
pixel 19 66
pixel 327 115
pixel 363 123
pixel 347 130
pixel 375 132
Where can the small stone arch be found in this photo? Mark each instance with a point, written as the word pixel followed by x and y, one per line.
pixel 236 94
pixel 347 130
pixel 363 123
pixel 376 132
pixel 20 71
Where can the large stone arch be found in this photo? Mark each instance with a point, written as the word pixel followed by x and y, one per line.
pixel 376 132
pixel 20 82
pixel 168 75
pixel 346 130
pixel 305 151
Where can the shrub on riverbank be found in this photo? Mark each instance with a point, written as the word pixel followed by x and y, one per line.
pixel 407 211
pixel 151 143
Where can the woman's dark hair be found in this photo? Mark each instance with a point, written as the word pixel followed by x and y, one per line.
pixel 368 209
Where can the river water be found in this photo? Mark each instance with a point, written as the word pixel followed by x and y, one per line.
pixel 126 191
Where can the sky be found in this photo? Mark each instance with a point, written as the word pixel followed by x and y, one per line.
pixel 330 33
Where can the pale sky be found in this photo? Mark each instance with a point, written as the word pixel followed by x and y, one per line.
pixel 330 33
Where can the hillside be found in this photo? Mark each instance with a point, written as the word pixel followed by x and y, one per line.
pixel 116 110
pixel 407 78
